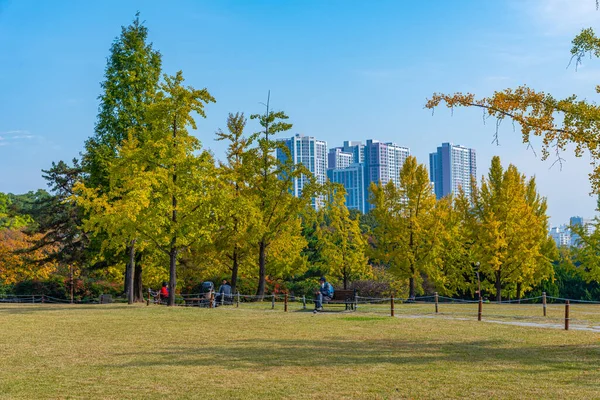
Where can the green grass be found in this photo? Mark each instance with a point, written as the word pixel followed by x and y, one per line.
pixel 117 351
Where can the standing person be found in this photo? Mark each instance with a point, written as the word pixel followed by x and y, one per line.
pixel 224 291
pixel 325 293
pixel 164 292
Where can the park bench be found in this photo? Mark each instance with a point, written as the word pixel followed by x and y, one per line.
pixel 105 299
pixel 203 300
pixel 343 297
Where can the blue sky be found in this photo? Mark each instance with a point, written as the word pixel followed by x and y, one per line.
pixel 342 70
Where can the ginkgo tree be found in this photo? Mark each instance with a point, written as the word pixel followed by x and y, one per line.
pixel 271 186
pixel 406 229
pixel 166 189
pixel 509 228
pixel 341 243
pixel 233 241
pixel 453 255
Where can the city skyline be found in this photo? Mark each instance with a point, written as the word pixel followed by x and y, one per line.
pixel 338 72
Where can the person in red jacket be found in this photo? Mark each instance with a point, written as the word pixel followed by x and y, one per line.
pixel 164 291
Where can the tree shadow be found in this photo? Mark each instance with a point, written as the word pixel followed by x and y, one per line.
pixel 269 353
pixel 27 308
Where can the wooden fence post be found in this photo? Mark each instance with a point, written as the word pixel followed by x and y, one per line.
pixel 212 299
pixel 544 302
pixel 304 302
pixel 237 303
pixel 480 310
pixel 567 315
pixel 285 303
pixel 273 302
pixel 392 305
pixel 436 302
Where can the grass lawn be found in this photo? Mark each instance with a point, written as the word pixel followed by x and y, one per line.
pixel 119 351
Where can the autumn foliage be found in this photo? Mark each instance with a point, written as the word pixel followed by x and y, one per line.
pixel 16 264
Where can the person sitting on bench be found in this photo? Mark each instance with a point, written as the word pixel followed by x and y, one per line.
pixel 325 293
pixel 164 292
pixel 224 292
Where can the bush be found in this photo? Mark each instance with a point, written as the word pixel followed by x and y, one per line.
pixel 60 288
pixel 6 289
pixel 54 287
pixel 304 288
pixel 371 288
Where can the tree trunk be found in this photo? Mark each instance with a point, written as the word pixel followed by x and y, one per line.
pixel 519 292
pixel 72 283
pixel 234 270
pixel 173 252
pixel 126 276
pixel 172 275
pixel 260 292
pixel 130 272
pixel 411 287
pixel 345 281
pixel 498 287
pixel 138 289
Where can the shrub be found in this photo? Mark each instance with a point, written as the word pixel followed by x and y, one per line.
pixel 371 288
pixel 59 287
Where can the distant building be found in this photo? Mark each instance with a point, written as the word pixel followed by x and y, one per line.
pixel 588 228
pixel 352 178
pixel 382 163
pixel 310 152
pixel 561 235
pixel 452 167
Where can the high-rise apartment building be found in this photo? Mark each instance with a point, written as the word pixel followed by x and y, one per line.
pixel 352 178
pixel 561 235
pixel 588 228
pixel 346 167
pixel 350 153
pixel 310 152
pixel 338 158
pixel 382 163
pixel 356 148
pixel 452 167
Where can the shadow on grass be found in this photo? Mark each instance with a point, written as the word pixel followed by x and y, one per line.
pixel 25 308
pixel 481 355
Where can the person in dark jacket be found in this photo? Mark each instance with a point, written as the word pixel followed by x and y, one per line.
pixel 224 292
pixel 325 293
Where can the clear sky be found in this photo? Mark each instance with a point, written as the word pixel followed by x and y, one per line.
pixel 342 70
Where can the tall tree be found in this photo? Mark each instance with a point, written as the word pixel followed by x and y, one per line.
pixel 406 230
pixel 131 81
pixel 272 184
pixel 510 230
pixel 343 246
pixel 172 178
pixel 237 231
